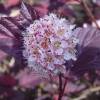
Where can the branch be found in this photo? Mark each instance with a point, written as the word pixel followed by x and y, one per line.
pixel 89 13
pixel 64 86
pixel 87 92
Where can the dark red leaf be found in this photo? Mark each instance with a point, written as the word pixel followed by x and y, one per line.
pixel 89 50
pixel 7 80
pixel 28 12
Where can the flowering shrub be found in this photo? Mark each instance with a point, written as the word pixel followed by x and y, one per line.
pixel 52 47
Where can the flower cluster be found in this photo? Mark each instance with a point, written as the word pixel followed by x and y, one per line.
pixel 49 42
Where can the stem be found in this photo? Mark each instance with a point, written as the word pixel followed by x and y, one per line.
pixel 64 86
pixel 89 13
pixel 61 87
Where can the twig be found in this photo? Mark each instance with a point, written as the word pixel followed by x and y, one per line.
pixel 64 86
pixel 60 87
pixel 87 92
pixel 89 13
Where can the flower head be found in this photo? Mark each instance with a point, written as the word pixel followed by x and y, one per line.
pixel 49 42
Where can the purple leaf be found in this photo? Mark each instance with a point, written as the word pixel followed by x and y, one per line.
pixel 9 36
pixel 25 12
pixel 28 79
pixel 7 80
pixel 88 36
pixel 89 48
pixel 12 28
pixel 72 87
pixel 28 12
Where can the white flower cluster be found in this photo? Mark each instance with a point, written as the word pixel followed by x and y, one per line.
pixel 49 42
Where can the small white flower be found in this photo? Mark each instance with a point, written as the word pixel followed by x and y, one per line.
pixel 59 51
pixel 50 66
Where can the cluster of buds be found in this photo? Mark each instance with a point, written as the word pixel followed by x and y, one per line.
pixel 49 42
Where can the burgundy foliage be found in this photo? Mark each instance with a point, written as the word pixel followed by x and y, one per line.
pixel 7 80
